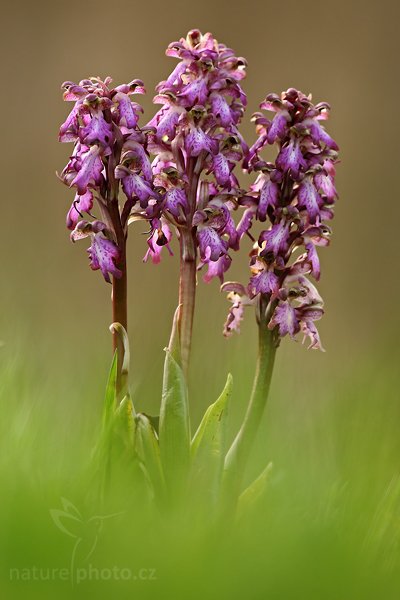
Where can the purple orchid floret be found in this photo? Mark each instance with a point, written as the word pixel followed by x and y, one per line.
pixel 103 252
pixel 294 196
pixel 239 296
pixel 160 236
pixel 196 143
pixel 109 149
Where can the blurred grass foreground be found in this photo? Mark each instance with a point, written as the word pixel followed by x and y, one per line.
pixel 327 526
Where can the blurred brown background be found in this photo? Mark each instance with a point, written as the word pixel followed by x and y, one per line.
pixel 52 305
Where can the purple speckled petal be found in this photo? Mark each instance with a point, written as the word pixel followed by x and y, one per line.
pixel 325 185
pixel 97 131
pixel 69 129
pixel 269 195
pixel 128 116
pixel 103 255
pixel 175 77
pixel 285 319
pixel 82 204
pixel 276 239
pixel 218 268
pixel 197 141
pixel 220 168
pixel 210 244
pixel 176 202
pixel 318 134
pixel 278 127
pixel 89 173
pixel 220 108
pixel 309 199
pixel 137 154
pixel 167 124
pixel 291 158
pixel 195 92
pixel 264 282
pixel 135 186
pixel 312 256
pixel 245 222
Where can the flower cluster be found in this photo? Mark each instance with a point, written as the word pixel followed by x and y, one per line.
pixel 109 149
pixel 197 144
pixel 295 196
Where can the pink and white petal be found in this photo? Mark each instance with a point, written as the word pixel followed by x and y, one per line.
pixel 310 330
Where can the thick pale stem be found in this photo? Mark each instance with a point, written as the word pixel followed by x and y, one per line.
pixel 239 452
pixel 187 294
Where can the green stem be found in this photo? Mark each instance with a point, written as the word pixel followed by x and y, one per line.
pixel 239 452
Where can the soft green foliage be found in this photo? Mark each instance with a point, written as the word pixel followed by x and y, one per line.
pixel 118 429
pixel 122 386
pixel 174 424
pixel 326 527
pixel 208 446
pixel 171 463
pixel 148 450
pixel 254 492
pixel 110 400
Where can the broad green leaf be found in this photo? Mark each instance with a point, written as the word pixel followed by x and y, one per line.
pixel 148 450
pixel 174 423
pixel 254 491
pixel 209 445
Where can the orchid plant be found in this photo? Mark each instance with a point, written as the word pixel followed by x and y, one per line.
pixel 179 173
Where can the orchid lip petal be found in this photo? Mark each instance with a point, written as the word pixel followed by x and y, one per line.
pixel 104 255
